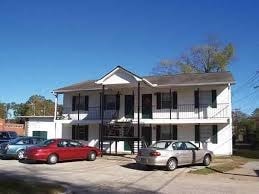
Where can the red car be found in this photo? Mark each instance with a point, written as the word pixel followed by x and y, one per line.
pixel 55 150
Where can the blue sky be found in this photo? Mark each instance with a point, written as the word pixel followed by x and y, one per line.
pixel 49 44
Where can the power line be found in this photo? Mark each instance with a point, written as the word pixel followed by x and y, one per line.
pixel 245 97
pixel 248 82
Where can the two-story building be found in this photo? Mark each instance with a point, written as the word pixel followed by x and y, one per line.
pixel 122 111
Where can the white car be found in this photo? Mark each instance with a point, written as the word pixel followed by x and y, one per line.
pixel 171 154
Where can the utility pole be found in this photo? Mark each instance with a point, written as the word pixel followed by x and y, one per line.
pixel 257 125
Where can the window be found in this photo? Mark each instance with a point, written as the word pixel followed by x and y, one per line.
pixel 24 142
pixel 80 103
pixel 80 132
pixel 75 144
pixel 160 145
pixel 110 102
pixel 205 98
pixel 167 100
pixel 37 140
pixel 168 132
pixel 4 135
pixel 46 143
pixel 208 133
pixel 63 143
pixel 41 134
pixel 190 146
pixel 13 134
pixel 179 146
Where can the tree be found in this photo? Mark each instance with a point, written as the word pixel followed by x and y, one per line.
pixel 212 56
pixel 255 113
pixel 36 105
pixel 2 111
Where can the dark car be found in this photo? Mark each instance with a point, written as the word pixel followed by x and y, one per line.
pixel 16 147
pixel 6 136
pixel 55 150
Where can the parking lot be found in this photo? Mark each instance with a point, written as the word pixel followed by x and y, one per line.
pixel 116 174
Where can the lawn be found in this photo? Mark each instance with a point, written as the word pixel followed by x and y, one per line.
pixel 15 186
pixel 227 163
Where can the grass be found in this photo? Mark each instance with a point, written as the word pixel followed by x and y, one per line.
pixel 13 186
pixel 224 164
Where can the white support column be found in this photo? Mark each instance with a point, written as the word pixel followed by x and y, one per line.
pixel 230 116
pixel 56 106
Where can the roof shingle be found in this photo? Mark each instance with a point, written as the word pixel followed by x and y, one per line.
pixel 174 80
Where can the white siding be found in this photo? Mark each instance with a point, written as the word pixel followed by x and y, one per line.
pixel 41 125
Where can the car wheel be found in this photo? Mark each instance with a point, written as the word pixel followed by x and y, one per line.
pixel 91 156
pixel 20 154
pixel 206 160
pixel 171 164
pixel 52 159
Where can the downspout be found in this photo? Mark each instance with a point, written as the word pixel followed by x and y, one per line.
pixel 138 114
pixel 102 119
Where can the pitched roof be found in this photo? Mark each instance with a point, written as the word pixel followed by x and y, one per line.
pixel 185 79
pixel 192 79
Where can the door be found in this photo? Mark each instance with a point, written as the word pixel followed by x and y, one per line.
pixel 197 155
pixel 147 135
pixel 147 106
pixel 64 151
pixel 77 149
pixel 184 156
pixel 129 106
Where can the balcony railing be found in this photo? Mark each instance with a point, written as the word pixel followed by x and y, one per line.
pixel 188 111
pixel 183 111
pixel 93 113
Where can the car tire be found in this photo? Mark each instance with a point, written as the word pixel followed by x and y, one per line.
pixel 52 159
pixel 171 164
pixel 91 156
pixel 206 160
pixel 20 154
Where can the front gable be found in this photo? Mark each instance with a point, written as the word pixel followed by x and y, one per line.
pixel 119 76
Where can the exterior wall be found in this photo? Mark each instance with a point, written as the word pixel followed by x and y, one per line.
pixel 185 109
pixel 185 132
pixel 41 125
pixel 18 128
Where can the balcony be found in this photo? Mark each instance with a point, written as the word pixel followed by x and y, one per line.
pixel 93 113
pixel 183 111
pixel 188 111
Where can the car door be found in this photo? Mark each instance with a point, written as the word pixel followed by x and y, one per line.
pixel 64 151
pixel 77 149
pixel 183 155
pixel 195 152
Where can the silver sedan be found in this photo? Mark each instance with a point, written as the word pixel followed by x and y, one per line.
pixel 172 154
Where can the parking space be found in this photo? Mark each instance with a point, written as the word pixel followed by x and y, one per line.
pixel 120 174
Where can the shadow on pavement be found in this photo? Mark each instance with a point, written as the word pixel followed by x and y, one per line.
pixel 69 187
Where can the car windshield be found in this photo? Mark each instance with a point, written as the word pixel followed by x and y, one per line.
pixel 161 145
pixel 13 134
pixel 46 143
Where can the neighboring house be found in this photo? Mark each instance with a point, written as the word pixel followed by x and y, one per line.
pixel 121 109
pixel 18 128
pixel 40 126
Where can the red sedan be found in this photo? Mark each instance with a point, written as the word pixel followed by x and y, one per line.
pixel 54 150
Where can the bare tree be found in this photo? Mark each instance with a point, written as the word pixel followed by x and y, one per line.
pixel 212 56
